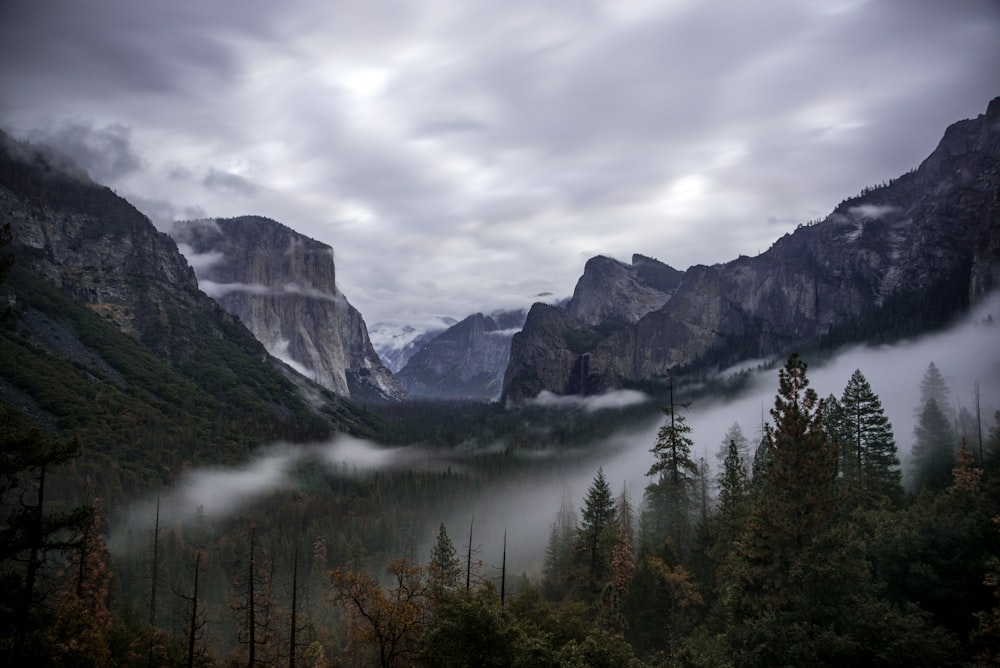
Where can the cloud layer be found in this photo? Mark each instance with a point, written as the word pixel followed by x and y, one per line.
pixel 462 157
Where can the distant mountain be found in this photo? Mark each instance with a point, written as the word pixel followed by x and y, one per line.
pixel 466 361
pixel 282 286
pixel 896 260
pixel 396 344
pixel 107 336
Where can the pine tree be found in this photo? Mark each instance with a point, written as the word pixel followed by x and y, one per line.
pixel 797 500
pixel 558 562
pixel 734 486
pixel 670 496
pixel 595 539
pixel 444 568
pixel 734 435
pixel 933 449
pixel 933 386
pixel 30 533
pixel 866 444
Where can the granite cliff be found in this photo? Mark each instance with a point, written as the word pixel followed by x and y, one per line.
pixel 896 260
pixel 282 286
pixel 107 336
pixel 466 361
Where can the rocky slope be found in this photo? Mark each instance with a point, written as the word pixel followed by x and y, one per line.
pixel 466 361
pixel 107 337
pixel 282 286
pixel 894 261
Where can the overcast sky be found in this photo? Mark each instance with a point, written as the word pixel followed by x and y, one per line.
pixel 468 155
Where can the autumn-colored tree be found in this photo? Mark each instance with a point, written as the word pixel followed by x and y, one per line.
pixel 386 622
pixel 254 603
pixel 82 618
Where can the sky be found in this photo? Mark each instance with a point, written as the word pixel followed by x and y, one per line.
pixel 471 155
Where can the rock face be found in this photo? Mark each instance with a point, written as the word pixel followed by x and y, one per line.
pixel 397 344
pixel 894 261
pixel 466 361
pixel 98 248
pixel 611 291
pixel 282 286
pixel 162 365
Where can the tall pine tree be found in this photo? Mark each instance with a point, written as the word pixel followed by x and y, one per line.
pixel 670 497
pixel 797 499
pixel 595 539
pixel 867 446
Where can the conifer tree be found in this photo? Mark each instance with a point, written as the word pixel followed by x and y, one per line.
pixel 933 448
pixel 797 500
pixel 933 387
pixel 30 533
pixel 733 487
pixel 558 562
pixel 866 443
pixel 735 435
pixel 595 538
pixel 670 496
pixel 444 568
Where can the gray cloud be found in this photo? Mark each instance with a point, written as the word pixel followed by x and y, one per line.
pixel 106 153
pixel 227 181
pixel 464 156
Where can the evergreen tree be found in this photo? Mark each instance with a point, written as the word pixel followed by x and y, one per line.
pixel 30 533
pixel 595 539
pixel 797 500
pixel 445 568
pixel 734 487
pixel 866 443
pixel 933 387
pixel 670 496
pixel 558 562
pixel 933 448
pixel 735 435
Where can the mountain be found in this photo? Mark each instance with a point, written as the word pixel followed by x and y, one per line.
pixel 896 260
pixel 466 361
pixel 282 286
pixel 397 344
pixel 106 336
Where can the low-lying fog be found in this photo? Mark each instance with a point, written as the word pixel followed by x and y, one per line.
pixel 966 355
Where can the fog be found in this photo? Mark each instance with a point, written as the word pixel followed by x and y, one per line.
pixel 966 354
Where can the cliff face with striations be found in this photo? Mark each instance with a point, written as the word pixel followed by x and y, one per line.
pixel 894 261
pixel 282 286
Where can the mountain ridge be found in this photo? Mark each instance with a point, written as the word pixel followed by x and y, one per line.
pixel 894 260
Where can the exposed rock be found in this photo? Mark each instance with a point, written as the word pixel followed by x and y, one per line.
pixel 282 286
pixel 98 248
pixel 611 291
pixel 396 345
pixel 894 261
pixel 466 361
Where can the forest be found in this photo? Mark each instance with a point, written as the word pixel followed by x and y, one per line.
pixel 800 548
